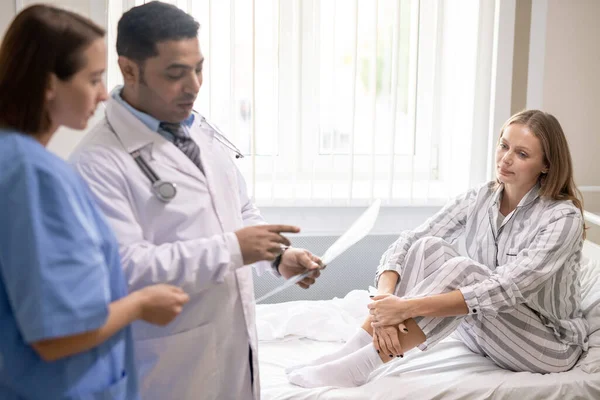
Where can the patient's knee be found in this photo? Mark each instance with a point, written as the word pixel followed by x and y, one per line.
pixel 468 269
pixel 431 241
pixel 432 244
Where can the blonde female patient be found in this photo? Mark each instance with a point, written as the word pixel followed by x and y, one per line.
pixel 514 298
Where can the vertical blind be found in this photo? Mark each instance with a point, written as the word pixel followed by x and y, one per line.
pixel 338 102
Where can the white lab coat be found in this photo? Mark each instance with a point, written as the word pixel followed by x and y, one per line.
pixel 188 242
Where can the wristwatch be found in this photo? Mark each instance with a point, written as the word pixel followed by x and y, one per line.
pixel 277 260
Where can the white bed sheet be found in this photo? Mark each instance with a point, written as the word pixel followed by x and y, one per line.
pixel 296 332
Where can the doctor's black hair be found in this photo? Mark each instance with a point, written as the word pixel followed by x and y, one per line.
pixel 142 27
pixel 40 41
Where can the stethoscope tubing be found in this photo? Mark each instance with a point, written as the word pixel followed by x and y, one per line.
pixel 155 180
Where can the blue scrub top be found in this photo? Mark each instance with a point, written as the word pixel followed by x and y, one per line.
pixel 59 271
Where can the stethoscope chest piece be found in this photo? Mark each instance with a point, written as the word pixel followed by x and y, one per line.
pixel 164 191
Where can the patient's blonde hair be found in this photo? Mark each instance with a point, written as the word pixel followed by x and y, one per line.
pixel 558 182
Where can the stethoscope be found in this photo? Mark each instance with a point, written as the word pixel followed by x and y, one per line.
pixel 163 190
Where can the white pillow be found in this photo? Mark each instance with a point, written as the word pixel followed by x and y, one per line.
pixel 590 304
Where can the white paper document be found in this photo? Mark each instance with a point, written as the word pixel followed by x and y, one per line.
pixel 359 229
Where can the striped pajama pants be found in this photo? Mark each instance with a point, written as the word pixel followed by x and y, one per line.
pixel 517 340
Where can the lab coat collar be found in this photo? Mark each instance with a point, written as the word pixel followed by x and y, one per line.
pixel 131 131
pixel 152 123
pixel 148 120
pixel 135 135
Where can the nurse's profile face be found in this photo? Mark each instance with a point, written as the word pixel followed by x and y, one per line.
pixel 167 84
pixel 71 103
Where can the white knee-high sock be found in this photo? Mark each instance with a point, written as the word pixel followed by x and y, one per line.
pixel 360 339
pixel 349 371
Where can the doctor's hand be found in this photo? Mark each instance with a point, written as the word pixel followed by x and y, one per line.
pixel 160 304
pixel 263 242
pixel 298 261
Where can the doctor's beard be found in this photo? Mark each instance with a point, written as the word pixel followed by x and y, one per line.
pixel 177 111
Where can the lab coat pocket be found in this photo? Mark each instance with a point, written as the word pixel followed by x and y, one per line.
pixel 179 365
pixel 116 391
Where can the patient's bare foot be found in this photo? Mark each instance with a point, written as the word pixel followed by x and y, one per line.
pixel 360 339
pixel 349 371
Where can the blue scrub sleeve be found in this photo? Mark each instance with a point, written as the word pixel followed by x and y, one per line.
pixel 50 256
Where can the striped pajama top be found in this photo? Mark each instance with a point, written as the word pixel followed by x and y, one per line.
pixel 534 255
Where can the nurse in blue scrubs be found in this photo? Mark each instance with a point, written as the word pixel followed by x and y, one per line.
pixel 64 307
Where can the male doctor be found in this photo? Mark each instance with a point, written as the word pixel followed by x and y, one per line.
pixel 197 234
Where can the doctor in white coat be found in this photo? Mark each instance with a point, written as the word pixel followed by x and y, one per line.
pixel 199 239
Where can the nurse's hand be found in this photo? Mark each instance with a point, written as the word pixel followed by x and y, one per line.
pixel 298 261
pixel 263 242
pixel 161 303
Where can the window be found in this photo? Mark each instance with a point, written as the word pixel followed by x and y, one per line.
pixel 337 102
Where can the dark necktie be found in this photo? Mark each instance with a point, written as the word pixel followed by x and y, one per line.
pixel 183 142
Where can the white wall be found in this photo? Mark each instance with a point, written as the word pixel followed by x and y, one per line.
pixel 571 86
pixel 7 12
pixel 521 55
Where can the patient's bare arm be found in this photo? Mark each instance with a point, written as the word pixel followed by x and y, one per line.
pixel 393 341
pixel 387 282
pixel 389 311
pixel 386 341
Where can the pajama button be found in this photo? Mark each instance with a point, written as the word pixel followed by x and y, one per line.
pixel 474 310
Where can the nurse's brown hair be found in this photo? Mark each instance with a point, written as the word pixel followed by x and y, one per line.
pixel 41 40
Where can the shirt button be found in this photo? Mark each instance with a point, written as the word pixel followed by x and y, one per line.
pixel 475 310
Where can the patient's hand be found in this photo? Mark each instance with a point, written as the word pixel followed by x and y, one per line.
pixel 386 341
pixel 387 309
pixel 298 261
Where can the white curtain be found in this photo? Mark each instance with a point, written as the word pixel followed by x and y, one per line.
pixel 338 102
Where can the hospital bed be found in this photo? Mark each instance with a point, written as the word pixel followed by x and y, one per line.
pixel 298 331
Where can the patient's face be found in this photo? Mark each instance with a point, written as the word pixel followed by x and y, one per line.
pixel 519 157
pixel 169 82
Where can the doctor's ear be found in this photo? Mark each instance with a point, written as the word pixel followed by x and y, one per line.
pixel 129 69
